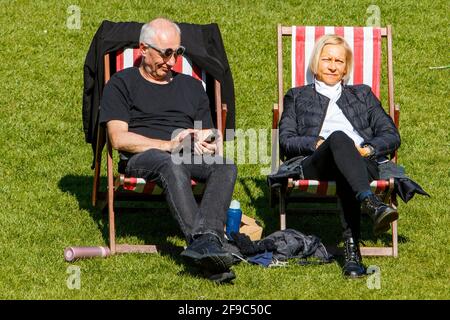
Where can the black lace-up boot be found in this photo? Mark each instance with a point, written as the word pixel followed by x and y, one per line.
pixel 353 267
pixel 380 213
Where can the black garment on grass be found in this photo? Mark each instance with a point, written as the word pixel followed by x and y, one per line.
pixel 291 243
pixel 284 245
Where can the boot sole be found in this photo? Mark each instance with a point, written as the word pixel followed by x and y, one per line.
pixel 213 263
pixel 354 276
pixel 383 224
pixel 223 277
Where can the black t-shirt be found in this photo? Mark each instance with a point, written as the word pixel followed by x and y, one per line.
pixel 155 110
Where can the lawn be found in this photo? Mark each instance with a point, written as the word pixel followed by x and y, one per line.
pixel 45 163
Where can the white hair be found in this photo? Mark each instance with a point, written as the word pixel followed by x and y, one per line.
pixel 148 30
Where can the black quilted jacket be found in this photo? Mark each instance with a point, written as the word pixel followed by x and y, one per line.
pixel 304 113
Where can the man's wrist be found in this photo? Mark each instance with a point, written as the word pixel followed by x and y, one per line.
pixel 169 145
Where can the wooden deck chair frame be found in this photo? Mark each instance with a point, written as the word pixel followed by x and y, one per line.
pixel 111 195
pixel 394 113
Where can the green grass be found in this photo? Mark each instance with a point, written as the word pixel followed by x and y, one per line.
pixel 45 164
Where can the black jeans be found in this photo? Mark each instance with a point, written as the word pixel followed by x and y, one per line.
pixel 175 179
pixel 338 159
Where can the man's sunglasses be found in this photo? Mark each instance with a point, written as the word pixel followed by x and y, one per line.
pixel 167 53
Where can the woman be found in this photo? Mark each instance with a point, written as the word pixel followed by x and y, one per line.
pixel 343 133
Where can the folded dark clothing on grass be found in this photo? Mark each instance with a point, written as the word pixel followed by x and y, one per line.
pixel 404 186
pixel 280 246
pixel 250 248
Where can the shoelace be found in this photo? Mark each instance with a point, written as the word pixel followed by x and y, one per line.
pixel 352 250
pixel 375 202
pixel 277 263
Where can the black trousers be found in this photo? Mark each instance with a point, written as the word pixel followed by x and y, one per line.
pixel 175 178
pixel 338 159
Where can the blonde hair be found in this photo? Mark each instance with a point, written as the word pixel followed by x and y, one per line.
pixel 333 39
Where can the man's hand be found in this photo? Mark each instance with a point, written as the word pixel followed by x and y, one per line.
pixel 207 135
pixel 176 143
pixel 204 148
pixel 205 141
pixel 201 141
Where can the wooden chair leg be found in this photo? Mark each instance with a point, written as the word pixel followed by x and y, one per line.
pixel 112 228
pixel 111 217
pixel 120 248
pixel 282 208
pixel 98 164
pixel 96 183
pixel 394 239
pixel 393 203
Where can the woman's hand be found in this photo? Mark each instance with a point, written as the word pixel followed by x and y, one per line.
pixel 365 151
pixel 319 142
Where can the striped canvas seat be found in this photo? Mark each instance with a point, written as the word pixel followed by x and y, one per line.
pixel 129 57
pixel 140 185
pixel 328 188
pixel 364 41
pixel 366 45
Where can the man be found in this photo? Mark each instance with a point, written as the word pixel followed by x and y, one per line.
pixel 150 113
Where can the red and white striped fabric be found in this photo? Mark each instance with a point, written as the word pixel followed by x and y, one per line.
pixel 364 41
pixel 328 188
pixel 140 185
pixel 129 57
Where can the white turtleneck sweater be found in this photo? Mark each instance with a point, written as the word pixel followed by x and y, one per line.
pixel 335 119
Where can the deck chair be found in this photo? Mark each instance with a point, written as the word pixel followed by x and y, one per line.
pixel 366 43
pixel 123 188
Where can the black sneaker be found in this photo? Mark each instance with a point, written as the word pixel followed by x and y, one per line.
pixel 380 213
pixel 207 253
